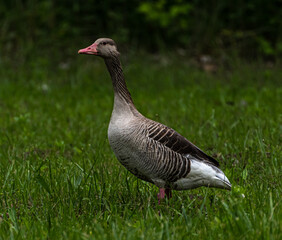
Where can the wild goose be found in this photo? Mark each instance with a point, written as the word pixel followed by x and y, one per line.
pixel 150 150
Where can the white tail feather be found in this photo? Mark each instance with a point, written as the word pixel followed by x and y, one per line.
pixel 203 174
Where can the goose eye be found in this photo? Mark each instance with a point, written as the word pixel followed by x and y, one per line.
pixel 104 43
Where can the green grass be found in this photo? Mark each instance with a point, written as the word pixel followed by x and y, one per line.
pixel 60 180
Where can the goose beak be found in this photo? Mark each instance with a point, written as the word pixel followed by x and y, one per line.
pixel 92 49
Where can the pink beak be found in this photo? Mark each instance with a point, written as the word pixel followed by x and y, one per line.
pixel 92 49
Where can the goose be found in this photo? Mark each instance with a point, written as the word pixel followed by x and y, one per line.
pixel 150 150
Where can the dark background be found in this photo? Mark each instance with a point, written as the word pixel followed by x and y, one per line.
pixel 249 29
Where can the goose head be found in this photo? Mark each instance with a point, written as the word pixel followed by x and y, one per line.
pixel 103 47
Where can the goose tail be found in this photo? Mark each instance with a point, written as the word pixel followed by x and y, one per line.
pixel 204 174
pixel 222 181
pixel 209 175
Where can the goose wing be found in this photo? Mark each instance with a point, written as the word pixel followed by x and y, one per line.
pixel 176 142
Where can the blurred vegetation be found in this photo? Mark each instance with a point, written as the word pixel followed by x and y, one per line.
pixel 251 28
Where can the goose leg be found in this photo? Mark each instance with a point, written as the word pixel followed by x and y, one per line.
pixel 161 195
pixel 164 192
pixel 168 193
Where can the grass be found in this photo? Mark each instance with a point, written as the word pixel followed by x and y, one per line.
pixel 60 180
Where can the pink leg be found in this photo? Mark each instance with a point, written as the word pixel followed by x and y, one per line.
pixel 164 192
pixel 161 195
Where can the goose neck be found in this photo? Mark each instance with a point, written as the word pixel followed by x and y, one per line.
pixel 115 69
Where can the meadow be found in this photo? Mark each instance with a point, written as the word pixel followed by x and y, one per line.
pixel 60 180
